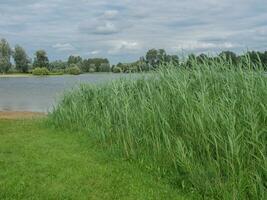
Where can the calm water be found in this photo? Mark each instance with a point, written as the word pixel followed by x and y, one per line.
pixel 41 93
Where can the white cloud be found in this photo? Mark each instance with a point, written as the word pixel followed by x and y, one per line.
pixel 106 28
pixel 123 30
pixel 63 47
pixel 99 27
pixel 123 45
pixel 94 52
pixel 199 45
pixel 110 14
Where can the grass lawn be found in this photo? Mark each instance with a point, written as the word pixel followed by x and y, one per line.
pixel 41 163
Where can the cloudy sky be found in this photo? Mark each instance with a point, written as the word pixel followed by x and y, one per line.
pixel 125 29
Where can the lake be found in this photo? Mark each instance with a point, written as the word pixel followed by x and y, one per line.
pixel 39 94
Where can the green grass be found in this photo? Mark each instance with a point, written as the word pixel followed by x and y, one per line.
pixel 203 128
pixel 42 163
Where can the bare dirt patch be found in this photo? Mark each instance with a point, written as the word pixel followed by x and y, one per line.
pixel 20 115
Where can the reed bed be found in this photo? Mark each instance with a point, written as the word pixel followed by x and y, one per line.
pixel 204 128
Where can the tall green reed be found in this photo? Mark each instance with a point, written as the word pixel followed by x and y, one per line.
pixel 204 128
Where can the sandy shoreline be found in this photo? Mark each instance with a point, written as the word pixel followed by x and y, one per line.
pixel 14 75
pixel 20 115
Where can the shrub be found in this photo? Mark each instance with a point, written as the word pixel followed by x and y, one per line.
pixel 57 72
pixel 117 70
pixel 91 70
pixel 40 71
pixel 73 70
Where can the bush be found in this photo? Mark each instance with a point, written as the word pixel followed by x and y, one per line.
pixel 91 70
pixel 40 71
pixel 57 72
pixel 117 70
pixel 73 70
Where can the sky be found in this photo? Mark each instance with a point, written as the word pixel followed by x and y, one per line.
pixel 123 30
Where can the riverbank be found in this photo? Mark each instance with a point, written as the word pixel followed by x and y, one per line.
pixel 15 75
pixel 20 115
pixel 51 74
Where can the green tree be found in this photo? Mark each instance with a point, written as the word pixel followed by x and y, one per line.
pixel 57 65
pixel 156 57
pixel 104 67
pixel 77 60
pixel 97 62
pixel 5 56
pixel 152 57
pixel 21 59
pixel 229 56
pixel 41 59
pixel 174 59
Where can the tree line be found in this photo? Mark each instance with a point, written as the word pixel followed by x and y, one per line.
pixel 156 58
pixel 153 59
pixel 24 64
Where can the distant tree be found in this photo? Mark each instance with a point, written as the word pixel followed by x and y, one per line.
pixel 88 66
pixel 162 56
pixel 104 67
pixel 77 60
pixel 152 58
pixel 120 65
pixel 229 56
pixel 5 56
pixel 21 59
pixel 112 67
pixel 41 59
pixel 57 65
pixel 142 66
pixel 174 59
pixel 97 62
pixel 156 57
pixel 116 70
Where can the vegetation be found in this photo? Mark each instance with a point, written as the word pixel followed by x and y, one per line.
pixel 199 122
pixel 73 70
pixel 41 163
pixel 57 65
pixel 204 128
pixel 21 59
pixel 5 56
pixel 41 59
pixel 153 59
pixel 40 71
pixel 117 70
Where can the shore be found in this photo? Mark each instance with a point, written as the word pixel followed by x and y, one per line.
pixel 14 75
pixel 20 115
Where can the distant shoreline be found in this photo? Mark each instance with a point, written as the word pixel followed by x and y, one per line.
pixel 15 75
pixel 20 115
pixel 50 75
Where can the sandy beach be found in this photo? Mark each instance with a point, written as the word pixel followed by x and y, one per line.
pixel 20 115
pixel 14 75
